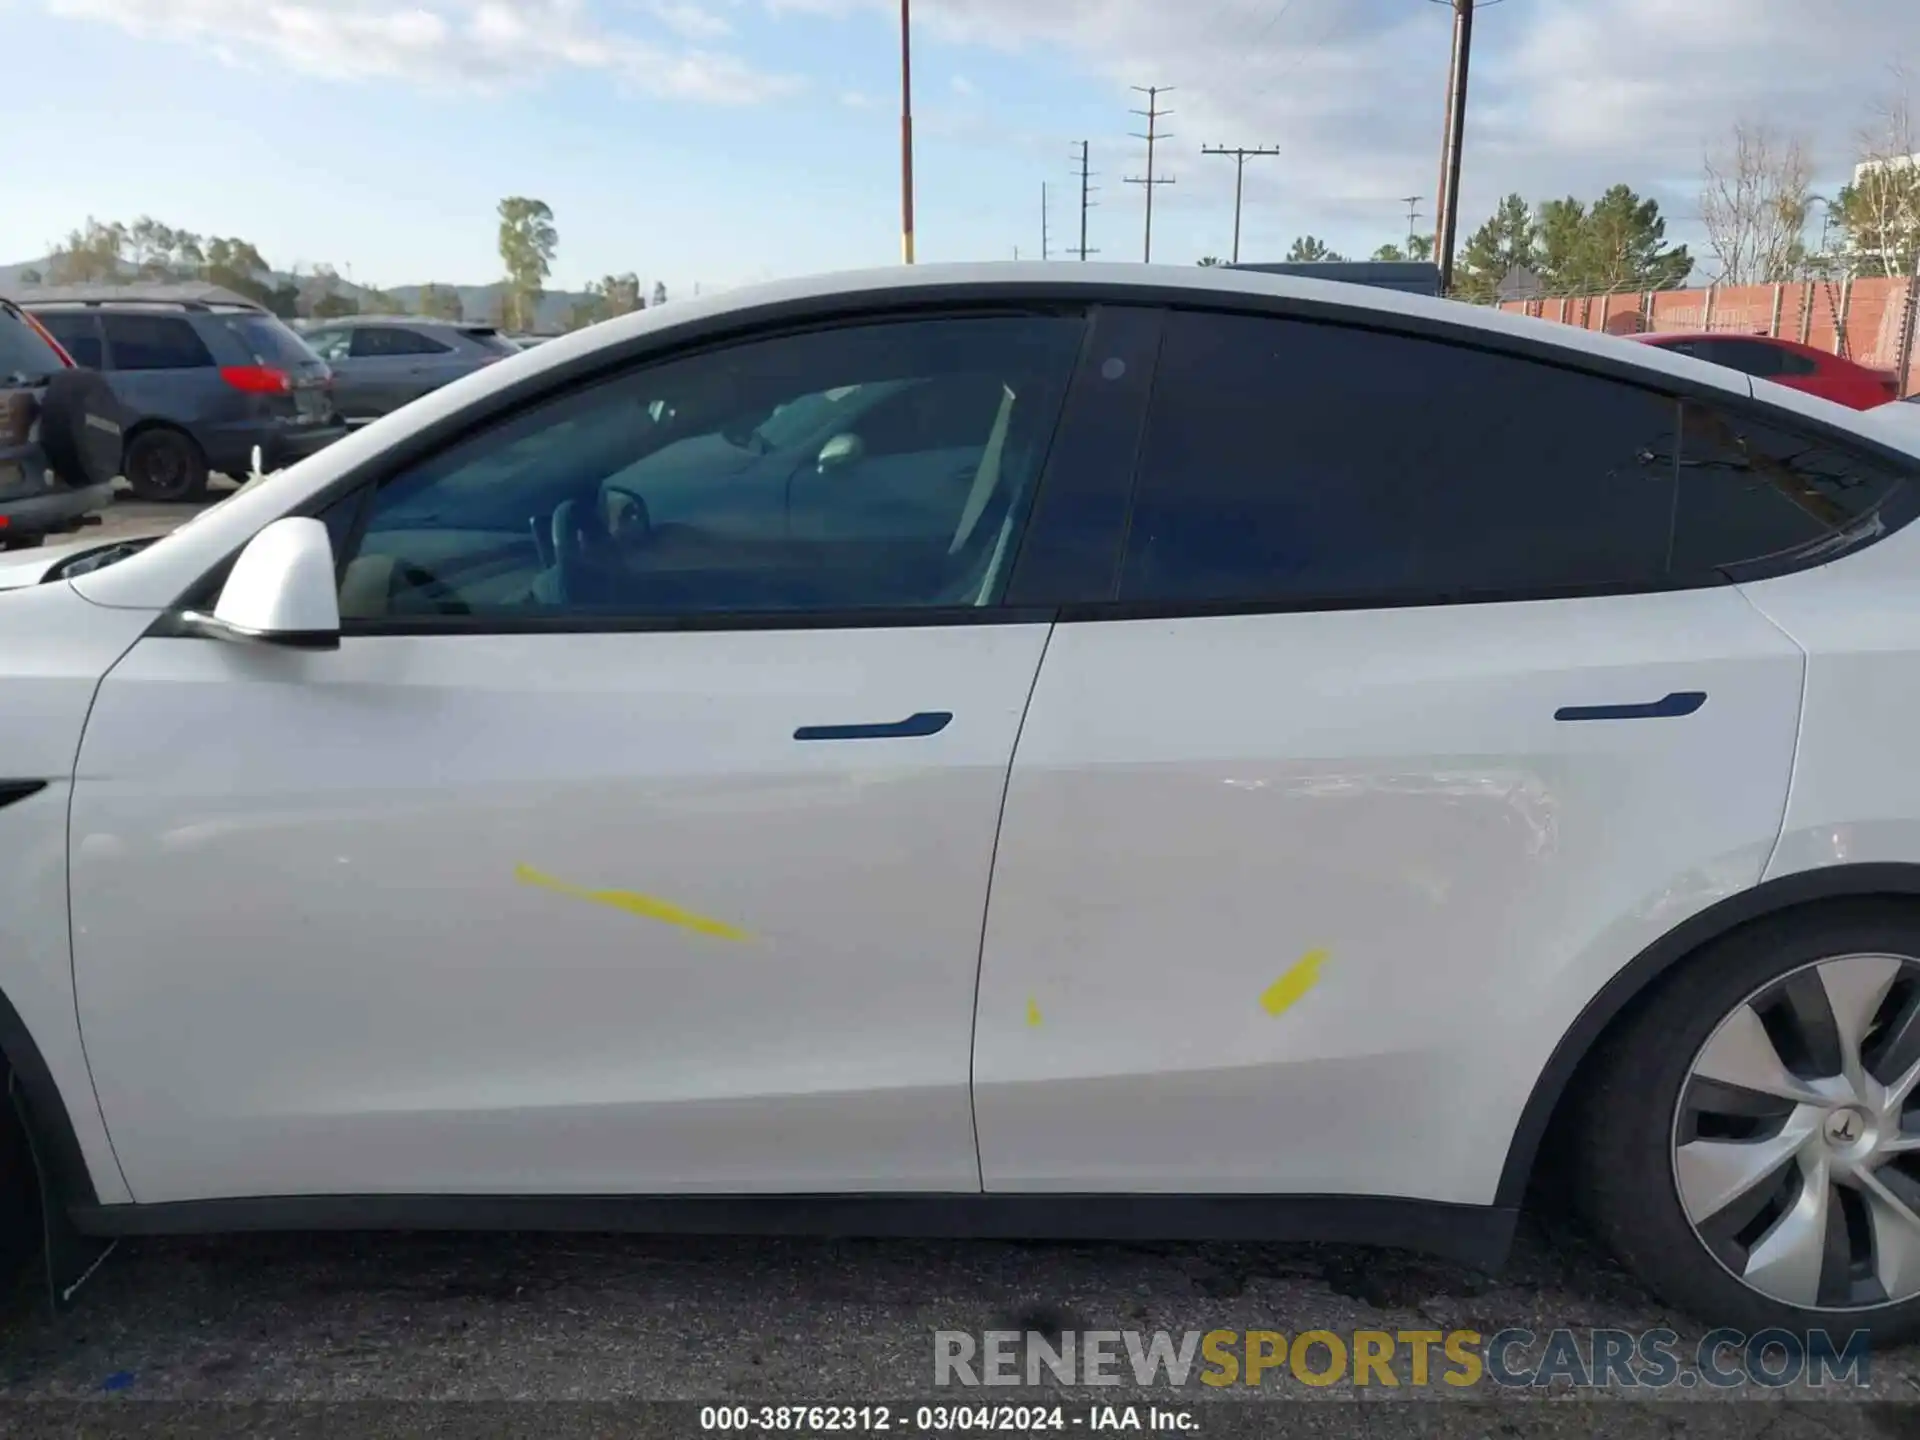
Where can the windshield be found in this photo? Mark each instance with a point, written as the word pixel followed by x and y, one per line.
pixel 24 351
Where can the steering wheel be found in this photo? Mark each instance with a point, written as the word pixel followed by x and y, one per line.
pixel 443 598
pixel 584 567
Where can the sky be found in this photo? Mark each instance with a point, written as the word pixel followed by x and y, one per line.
pixel 708 143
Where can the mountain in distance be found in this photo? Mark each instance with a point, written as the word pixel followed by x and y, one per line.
pixel 477 302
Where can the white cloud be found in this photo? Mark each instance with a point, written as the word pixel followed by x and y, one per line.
pixel 484 43
pixel 1568 96
pixel 964 87
pixel 690 21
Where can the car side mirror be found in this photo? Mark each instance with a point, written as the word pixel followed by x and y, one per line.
pixel 840 452
pixel 281 591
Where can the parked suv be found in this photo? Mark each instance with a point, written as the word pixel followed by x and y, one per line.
pixel 60 435
pixel 206 382
pixel 382 362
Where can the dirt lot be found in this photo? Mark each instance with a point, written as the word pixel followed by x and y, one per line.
pixel 304 1323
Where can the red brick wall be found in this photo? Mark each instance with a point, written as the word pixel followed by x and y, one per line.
pixel 1809 311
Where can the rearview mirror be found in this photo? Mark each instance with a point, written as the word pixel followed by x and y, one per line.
pixel 281 590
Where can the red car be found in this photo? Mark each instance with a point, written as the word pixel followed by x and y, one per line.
pixel 1785 362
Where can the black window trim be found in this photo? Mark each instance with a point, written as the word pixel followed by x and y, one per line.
pixel 1027 297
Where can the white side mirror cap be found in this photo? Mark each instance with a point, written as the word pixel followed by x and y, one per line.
pixel 282 588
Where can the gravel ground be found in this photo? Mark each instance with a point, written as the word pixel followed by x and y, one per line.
pixel 572 1334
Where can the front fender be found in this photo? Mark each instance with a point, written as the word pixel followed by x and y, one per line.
pixel 54 649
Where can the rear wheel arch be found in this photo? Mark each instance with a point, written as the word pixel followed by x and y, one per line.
pixel 1556 1084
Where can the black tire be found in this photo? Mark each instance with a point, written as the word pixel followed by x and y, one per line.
pixel 23 542
pixel 163 464
pixel 1625 1114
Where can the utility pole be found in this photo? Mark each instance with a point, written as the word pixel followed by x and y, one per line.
pixel 1085 205
pixel 1239 154
pixel 1045 253
pixel 1447 204
pixel 906 131
pixel 1412 202
pixel 1154 115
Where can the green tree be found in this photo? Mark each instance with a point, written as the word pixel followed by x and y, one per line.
pixel 1623 246
pixel 92 255
pixel 1391 254
pixel 1562 231
pixel 1310 249
pixel 528 240
pixel 441 302
pixel 1510 237
pixel 1211 260
pixel 375 301
pixel 31 276
pixel 234 264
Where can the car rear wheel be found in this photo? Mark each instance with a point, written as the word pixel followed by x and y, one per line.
pixel 165 465
pixel 1752 1146
pixel 22 542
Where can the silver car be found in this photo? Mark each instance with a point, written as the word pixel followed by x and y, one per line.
pixel 383 362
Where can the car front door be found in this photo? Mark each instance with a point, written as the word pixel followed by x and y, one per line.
pixel 1420 708
pixel 604 855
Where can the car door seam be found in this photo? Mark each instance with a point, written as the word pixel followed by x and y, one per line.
pixel 73 960
pixel 986 908
pixel 1799 730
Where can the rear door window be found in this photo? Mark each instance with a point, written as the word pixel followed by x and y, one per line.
pixel 154 342
pixel 376 341
pixel 1297 463
pixel 1750 357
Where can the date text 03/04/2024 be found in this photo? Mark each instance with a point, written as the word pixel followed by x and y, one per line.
pixel 939 1419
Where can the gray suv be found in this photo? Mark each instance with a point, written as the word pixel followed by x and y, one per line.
pixel 205 383
pixel 382 362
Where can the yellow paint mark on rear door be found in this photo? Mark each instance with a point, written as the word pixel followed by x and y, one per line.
pixel 1299 978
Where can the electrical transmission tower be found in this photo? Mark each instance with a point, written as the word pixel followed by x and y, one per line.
pixel 1154 114
pixel 1412 202
pixel 1240 154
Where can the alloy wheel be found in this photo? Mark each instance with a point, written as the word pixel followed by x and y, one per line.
pixel 1796 1140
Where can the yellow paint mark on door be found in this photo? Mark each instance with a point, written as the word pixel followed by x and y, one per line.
pixel 1299 978
pixel 1033 1011
pixel 634 903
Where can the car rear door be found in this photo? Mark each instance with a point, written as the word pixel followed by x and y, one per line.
pixel 1397 739
pixel 394 365
pixel 659 869
pixel 162 369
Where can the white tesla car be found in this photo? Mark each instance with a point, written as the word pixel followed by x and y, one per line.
pixel 1078 750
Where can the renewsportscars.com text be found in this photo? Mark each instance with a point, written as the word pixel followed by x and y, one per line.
pixel 1459 1359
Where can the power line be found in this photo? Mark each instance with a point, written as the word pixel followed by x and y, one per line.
pixel 1154 114
pixel 1239 154
pixel 1086 204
